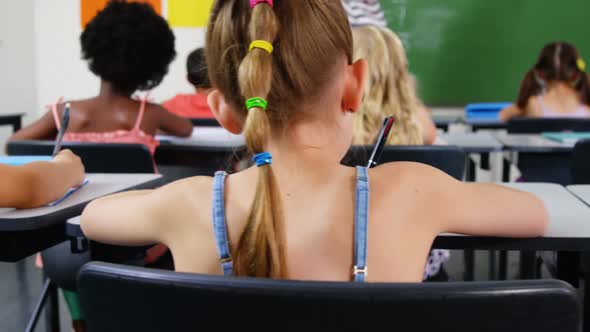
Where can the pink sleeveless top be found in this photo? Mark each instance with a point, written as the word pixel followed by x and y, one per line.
pixel 133 136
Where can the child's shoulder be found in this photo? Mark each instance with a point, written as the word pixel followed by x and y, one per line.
pixel 396 176
pixel 187 199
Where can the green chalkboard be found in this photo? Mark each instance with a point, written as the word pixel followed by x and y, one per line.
pixel 464 51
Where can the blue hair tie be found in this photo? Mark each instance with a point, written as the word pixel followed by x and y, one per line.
pixel 262 159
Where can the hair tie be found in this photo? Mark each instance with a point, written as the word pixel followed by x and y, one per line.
pixel 264 158
pixel 253 3
pixel 256 102
pixel 581 64
pixel 261 44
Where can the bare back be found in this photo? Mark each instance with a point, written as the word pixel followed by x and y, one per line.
pixel 319 227
pixel 101 114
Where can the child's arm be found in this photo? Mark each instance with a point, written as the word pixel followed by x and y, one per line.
pixel 145 217
pixel 510 112
pixel 42 129
pixel 39 183
pixel 174 124
pixel 483 209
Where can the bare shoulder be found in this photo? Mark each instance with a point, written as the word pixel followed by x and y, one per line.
pixel 408 172
pixel 191 194
pixel 413 182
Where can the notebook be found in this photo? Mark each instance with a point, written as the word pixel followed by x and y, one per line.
pixel 569 138
pixel 22 160
pixel 69 193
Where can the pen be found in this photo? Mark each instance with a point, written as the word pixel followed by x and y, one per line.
pixel 65 121
pixel 381 140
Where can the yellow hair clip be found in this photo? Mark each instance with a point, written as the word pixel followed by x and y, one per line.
pixel 261 44
pixel 581 64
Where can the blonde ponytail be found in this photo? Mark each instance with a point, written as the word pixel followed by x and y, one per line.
pixel 261 250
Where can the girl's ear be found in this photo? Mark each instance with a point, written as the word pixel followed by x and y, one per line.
pixel 224 113
pixel 354 86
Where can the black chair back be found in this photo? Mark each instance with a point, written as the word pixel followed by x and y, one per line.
pixel 537 126
pixel 203 122
pixel 178 161
pixel 547 167
pixel 121 298
pixel 449 159
pixel 96 157
pixel 581 163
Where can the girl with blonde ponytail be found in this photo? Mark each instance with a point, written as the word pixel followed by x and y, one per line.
pixel 283 74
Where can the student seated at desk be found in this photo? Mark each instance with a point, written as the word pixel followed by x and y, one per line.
pixel 294 215
pixel 193 105
pixel 389 91
pixel 39 183
pixel 556 87
pixel 129 47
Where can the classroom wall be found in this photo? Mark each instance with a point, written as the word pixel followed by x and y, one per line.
pixel 17 58
pixel 60 70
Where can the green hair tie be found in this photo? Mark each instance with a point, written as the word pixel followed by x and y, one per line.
pixel 256 102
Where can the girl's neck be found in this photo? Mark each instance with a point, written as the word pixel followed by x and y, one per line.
pixel 308 152
pixel 560 89
pixel 107 91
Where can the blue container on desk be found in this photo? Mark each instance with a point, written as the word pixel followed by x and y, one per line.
pixel 484 112
pixel 22 160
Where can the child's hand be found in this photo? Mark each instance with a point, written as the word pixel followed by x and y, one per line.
pixel 73 166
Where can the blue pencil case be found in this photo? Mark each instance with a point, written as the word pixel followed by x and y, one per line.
pixel 484 111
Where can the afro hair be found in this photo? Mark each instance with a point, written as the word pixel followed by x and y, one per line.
pixel 128 45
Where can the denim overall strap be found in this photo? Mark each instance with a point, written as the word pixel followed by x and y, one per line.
pixel 360 224
pixel 219 224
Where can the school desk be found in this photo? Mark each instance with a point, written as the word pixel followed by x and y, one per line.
pixel 13 119
pixel 25 232
pixel 540 159
pixel 206 136
pixel 207 150
pixel 481 143
pixel 532 143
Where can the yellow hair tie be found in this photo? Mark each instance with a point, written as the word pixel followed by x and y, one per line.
pixel 581 64
pixel 261 44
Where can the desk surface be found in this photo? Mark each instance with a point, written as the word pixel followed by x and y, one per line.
pixel 11 115
pixel 206 136
pixel 582 192
pixel 531 143
pixel 569 225
pixel 99 185
pixel 473 142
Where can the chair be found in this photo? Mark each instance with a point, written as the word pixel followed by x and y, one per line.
pixel 121 298
pixel 581 163
pixel 96 157
pixel 204 122
pixel 537 126
pixel 180 161
pixel 449 159
pixel 547 167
